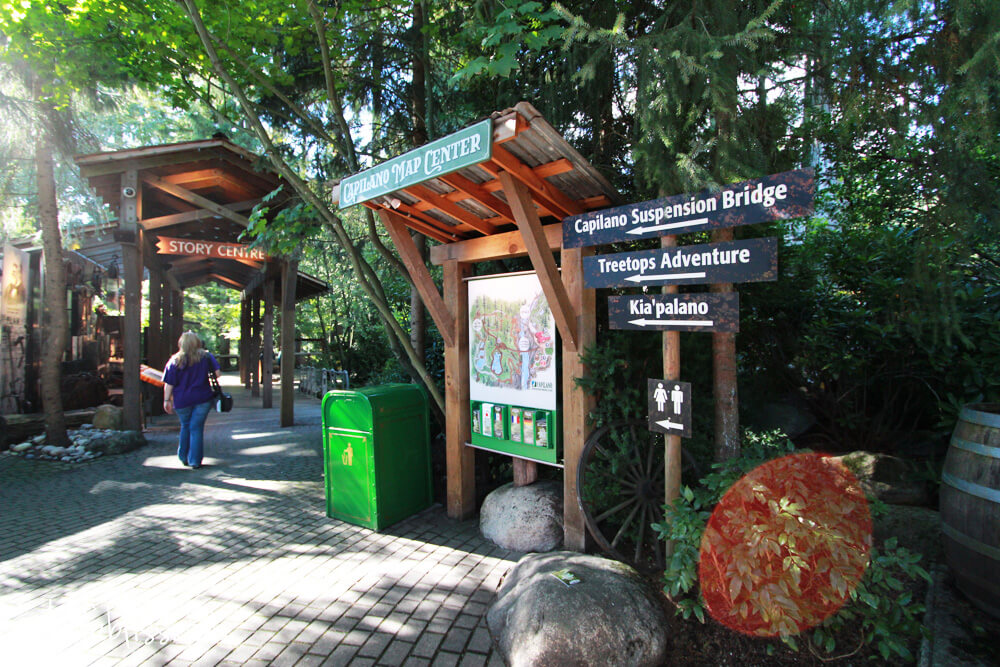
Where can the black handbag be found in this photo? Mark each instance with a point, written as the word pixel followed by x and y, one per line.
pixel 223 401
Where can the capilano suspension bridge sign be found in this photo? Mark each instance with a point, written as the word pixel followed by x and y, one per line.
pixel 776 197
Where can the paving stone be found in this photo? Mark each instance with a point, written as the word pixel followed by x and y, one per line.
pixel 236 562
pixel 455 640
pixel 395 654
pixel 428 644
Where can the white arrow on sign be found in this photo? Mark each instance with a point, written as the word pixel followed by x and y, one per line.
pixel 672 225
pixel 666 423
pixel 677 323
pixel 666 276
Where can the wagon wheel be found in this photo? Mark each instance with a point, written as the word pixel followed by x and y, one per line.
pixel 620 490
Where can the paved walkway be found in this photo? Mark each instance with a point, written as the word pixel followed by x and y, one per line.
pixel 134 559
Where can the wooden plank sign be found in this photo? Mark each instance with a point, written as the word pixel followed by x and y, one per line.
pixel 458 150
pixel 753 260
pixel 776 197
pixel 670 407
pixel 675 312
pixel 166 245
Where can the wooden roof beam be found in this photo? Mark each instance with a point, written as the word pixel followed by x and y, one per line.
pixel 554 168
pixel 396 226
pixel 498 246
pixel 452 209
pixel 476 191
pixel 544 192
pixel 227 281
pixel 193 198
pixel 192 216
pixel 541 258
pixel 417 221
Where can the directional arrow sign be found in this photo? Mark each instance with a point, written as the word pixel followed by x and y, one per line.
pixel 670 407
pixel 754 260
pixel 675 312
pixel 776 197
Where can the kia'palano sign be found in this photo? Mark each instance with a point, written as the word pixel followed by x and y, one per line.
pixel 776 197
pixel 171 246
pixel 458 150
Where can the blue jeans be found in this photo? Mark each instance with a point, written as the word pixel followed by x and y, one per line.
pixel 192 442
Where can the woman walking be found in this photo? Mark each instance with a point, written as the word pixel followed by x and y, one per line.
pixel 187 392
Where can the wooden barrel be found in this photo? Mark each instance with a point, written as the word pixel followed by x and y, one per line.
pixel 970 505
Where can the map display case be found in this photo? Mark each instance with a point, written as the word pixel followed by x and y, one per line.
pixel 512 368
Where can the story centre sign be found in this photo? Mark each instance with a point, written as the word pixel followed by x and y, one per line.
pixel 458 150
pixel 166 245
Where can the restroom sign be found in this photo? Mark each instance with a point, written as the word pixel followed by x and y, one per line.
pixel 670 407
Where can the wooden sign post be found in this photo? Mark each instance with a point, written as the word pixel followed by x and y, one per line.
pixel 779 196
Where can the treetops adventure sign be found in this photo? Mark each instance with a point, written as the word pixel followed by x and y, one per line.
pixel 775 197
pixel 461 149
pixel 171 246
pixel 753 260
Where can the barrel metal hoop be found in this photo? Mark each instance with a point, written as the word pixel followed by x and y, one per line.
pixel 978 417
pixel 976 447
pixel 971 488
pixel 970 542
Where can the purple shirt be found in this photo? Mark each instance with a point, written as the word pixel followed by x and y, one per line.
pixel 190 383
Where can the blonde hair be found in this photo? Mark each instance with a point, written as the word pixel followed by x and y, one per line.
pixel 189 350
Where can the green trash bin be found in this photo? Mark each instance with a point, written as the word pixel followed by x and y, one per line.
pixel 377 455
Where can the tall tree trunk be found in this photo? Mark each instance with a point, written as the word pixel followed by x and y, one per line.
pixel 418 92
pixel 55 323
pixel 727 414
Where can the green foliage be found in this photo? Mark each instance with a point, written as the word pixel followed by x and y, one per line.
pixel 888 616
pixel 618 368
pixel 882 331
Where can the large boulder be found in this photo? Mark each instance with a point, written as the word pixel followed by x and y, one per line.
pixel 889 478
pixel 610 616
pixel 524 518
pixel 108 417
pixel 123 441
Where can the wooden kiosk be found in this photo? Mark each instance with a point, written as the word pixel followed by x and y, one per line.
pixel 179 210
pixel 485 200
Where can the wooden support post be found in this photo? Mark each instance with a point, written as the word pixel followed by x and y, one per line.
pixel 267 396
pixel 131 326
pixel 525 472
pixel 154 342
pixel 541 258
pixel 576 403
pixel 178 308
pixel 461 460
pixel 419 274
pixel 167 342
pixel 255 344
pixel 727 412
pixel 289 272
pixel 245 342
pixel 671 371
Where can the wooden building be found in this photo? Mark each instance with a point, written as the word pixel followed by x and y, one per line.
pixel 179 210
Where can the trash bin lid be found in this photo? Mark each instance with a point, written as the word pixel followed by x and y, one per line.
pixel 355 408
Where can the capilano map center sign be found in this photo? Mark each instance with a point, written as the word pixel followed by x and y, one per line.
pixel 467 147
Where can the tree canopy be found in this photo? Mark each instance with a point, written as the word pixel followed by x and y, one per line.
pixel 894 103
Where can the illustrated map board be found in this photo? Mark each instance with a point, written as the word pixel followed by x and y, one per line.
pixel 512 342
